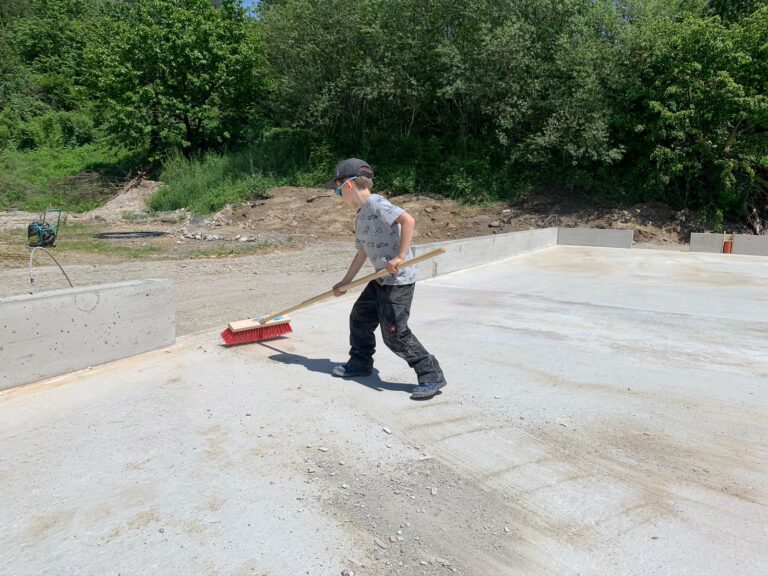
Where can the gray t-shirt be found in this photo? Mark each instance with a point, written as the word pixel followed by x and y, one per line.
pixel 377 234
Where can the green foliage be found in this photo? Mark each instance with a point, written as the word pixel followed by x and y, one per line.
pixel 176 75
pixel 49 130
pixel 710 219
pixel 696 120
pixel 208 181
pixel 734 10
pixel 48 42
pixel 42 102
pixel 622 101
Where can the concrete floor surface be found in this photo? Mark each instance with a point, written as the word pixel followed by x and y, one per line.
pixel 606 413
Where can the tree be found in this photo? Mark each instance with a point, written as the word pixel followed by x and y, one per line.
pixel 41 73
pixel 734 10
pixel 694 113
pixel 171 74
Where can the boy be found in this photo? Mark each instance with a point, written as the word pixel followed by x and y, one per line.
pixel 383 234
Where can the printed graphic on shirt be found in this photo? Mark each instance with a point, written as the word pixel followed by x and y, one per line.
pixel 379 236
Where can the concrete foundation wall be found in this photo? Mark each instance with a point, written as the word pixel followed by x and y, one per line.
pixel 470 252
pixel 750 245
pixel 52 333
pixel 595 237
pixel 746 244
pixel 706 242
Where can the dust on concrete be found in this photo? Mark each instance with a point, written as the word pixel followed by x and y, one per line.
pixel 421 517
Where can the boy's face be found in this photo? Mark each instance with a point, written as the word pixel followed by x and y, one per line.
pixel 345 188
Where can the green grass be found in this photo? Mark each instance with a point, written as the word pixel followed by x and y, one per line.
pixel 108 248
pixel 80 238
pixel 75 179
pixel 207 182
pixel 76 240
pixel 224 250
pixel 73 238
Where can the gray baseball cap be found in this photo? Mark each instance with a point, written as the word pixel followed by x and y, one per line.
pixel 349 168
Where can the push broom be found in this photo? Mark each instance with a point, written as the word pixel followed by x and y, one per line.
pixel 278 324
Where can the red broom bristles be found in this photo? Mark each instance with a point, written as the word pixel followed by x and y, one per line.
pixel 267 332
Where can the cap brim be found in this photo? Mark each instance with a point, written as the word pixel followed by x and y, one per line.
pixel 331 184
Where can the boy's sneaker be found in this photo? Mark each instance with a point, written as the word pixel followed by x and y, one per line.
pixel 427 389
pixel 347 371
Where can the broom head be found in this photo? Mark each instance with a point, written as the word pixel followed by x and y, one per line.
pixel 251 331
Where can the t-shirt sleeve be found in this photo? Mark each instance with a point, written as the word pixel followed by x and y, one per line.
pixel 387 211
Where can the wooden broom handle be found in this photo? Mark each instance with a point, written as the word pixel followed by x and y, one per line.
pixel 364 280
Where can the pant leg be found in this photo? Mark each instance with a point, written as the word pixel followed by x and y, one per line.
pixel 394 311
pixel 363 321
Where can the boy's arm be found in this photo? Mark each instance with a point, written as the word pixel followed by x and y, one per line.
pixel 354 268
pixel 407 224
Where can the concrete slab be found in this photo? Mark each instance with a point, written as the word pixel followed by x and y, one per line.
pixel 606 413
pixel 52 333
pixel 595 237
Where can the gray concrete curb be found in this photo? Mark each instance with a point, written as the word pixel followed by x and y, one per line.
pixel 712 243
pixel 53 333
pixel 471 252
pixel 750 245
pixel 595 237
pixel 745 244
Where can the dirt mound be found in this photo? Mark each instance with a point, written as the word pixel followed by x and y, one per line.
pixel 16 219
pixel 315 213
pixel 129 203
pixel 653 222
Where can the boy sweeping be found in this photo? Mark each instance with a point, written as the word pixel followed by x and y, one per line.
pixel 383 234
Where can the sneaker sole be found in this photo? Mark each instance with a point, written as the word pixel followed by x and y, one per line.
pixel 355 375
pixel 422 395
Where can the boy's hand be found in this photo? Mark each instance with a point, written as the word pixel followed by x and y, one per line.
pixel 393 264
pixel 336 291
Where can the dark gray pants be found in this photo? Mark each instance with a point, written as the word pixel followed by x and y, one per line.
pixel 388 307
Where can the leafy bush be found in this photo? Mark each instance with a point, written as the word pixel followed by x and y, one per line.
pixel 208 181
